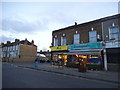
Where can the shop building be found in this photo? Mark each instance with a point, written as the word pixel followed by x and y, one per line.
pixel 90 53
pixel 19 51
pixel 87 41
pixel 111 38
pixel 59 52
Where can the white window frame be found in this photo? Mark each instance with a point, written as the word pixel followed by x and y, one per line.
pixel 76 38
pixel 16 47
pixel 4 48
pixel 92 38
pixel 4 55
pixel 13 48
pixel 55 41
pixel 114 35
pixel 63 40
pixel 8 48
pixel 8 55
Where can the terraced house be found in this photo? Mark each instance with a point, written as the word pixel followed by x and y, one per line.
pixel 19 51
pixel 96 42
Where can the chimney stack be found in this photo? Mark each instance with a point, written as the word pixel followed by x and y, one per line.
pixel 26 41
pixel 8 42
pixel 17 40
pixel 75 23
pixel 32 42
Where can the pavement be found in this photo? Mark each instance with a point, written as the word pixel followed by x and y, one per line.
pixel 107 76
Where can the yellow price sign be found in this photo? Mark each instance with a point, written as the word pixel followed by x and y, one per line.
pixel 59 48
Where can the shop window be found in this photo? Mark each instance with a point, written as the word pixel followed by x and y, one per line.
pixel 76 38
pixel 113 55
pixel 92 36
pixel 63 40
pixel 113 33
pixel 55 41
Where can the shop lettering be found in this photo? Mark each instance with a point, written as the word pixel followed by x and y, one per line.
pixel 80 46
pixel 58 48
pixel 86 46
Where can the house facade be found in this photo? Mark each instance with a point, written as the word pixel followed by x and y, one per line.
pixel 19 51
pixel 91 41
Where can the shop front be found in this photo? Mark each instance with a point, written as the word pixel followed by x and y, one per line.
pixel 91 54
pixel 59 53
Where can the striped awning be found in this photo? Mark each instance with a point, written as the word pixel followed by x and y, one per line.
pixel 85 52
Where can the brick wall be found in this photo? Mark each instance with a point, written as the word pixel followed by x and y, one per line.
pixel 27 52
pixel 106 25
pixel 83 30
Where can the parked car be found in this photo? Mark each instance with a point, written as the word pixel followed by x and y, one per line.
pixel 41 60
pixel 48 61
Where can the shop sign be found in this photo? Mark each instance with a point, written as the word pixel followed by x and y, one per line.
pixel 59 48
pixel 112 44
pixel 86 46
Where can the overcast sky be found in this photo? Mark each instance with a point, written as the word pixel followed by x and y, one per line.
pixel 36 20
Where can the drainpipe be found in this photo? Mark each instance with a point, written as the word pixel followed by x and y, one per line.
pixel 104 50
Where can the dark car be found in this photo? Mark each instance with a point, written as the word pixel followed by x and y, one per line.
pixel 41 60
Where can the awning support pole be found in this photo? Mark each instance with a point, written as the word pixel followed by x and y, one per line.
pixel 105 60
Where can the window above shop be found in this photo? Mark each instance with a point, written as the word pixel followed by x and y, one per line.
pixel 63 41
pixel 55 41
pixel 93 36
pixel 114 33
pixel 76 38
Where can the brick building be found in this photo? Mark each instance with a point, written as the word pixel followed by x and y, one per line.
pixel 19 51
pixel 91 41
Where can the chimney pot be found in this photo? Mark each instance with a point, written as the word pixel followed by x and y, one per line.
pixel 17 40
pixel 26 41
pixel 8 42
pixel 32 41
pixel 75 23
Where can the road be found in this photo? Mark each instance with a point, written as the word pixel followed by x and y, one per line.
pixel 18 77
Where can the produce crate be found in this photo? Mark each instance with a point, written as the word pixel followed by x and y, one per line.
pixel 72 64
pixel 93 66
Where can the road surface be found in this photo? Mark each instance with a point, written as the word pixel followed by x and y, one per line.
pixel 18 77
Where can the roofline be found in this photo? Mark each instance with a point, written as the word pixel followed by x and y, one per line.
pixel 17 43
pixel 93 21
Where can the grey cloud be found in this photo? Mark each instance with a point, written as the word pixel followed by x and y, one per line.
pixel 22 26
pixel 4 39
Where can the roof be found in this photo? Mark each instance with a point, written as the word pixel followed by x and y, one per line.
pixel 91 22
pixel 18 42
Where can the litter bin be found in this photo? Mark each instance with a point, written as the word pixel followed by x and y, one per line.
pixel 82 67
